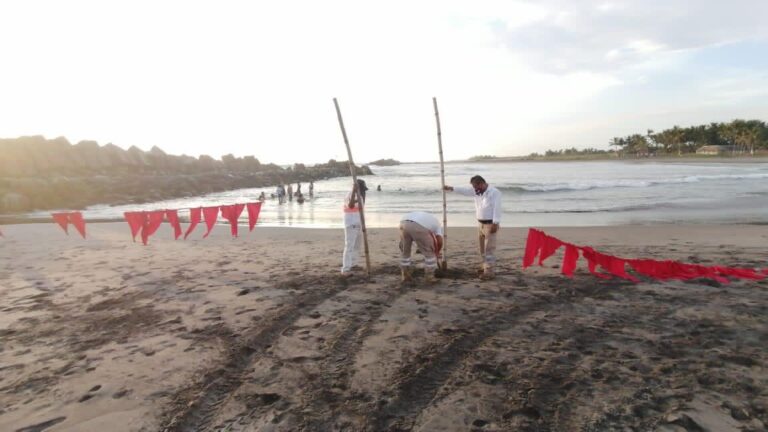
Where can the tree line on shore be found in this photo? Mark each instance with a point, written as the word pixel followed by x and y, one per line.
pixel 738 136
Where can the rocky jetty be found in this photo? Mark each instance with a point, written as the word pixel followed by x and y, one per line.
pixel 41 174
pixel 385 162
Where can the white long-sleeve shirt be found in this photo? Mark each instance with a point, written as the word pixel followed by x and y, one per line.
pixel 487 204
pixel 424 219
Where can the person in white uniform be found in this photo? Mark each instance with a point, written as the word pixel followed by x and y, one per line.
pixel 353 228
pixel 423 229
pixel 488 212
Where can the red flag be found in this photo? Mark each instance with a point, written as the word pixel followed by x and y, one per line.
pixel 63 220
pixel 591 257
pixel 253 214
pixel 135 221
pixel 569 260
pixel 532 246
pixel 549 246
pixel 76 219
pixel 195 215
pixel 232 214
pixel 152 221
pixel 173 219
pixel 210 214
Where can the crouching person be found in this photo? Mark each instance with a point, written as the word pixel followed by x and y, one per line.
pixel 423 229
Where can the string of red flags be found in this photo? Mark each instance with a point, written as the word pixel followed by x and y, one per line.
pixel 542 246
pixel 146 223
pixel 74 218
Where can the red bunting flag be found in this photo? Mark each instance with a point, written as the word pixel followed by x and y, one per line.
pixel 63 220
pixel 532 247
pixel 253 214
pixel 232 213
pixel 152 221
pixel 569 260
pixel 135 221
pixel 74 218
pixel 544 246
pixel 210 214
pixel 173 218
pixel 195 216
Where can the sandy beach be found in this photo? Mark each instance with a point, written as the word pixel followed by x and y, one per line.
pixel 261 334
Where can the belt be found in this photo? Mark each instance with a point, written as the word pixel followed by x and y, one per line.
pixel 485 221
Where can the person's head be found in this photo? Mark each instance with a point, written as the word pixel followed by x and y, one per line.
pixel 478 184
pixel 361 187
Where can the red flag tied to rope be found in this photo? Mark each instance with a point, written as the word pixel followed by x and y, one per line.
pixel 543 246
pixel 135 221
pixel 232 214
pixel 253 214
pixel 173 218
pixel 74 218
pixel 151 222
pixel 195 216
pixel 210 214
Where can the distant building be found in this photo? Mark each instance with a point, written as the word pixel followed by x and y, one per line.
pixel 715 149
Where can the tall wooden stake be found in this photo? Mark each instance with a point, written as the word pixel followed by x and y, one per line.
pixel 442 183
pixel 354 183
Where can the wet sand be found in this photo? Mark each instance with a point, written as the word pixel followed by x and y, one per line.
pixel 261 334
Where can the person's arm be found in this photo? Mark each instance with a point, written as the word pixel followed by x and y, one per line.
pixel 466 191
pixel 496 211
pixel 352 199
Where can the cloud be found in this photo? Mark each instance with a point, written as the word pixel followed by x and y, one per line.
pixel 610 36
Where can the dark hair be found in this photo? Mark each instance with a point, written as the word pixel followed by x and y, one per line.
pixel 361 187
pixel 477 179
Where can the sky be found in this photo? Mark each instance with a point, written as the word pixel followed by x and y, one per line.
pixel 259 77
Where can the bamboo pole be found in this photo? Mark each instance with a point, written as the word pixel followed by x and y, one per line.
pixel 354 184
pixel 442 183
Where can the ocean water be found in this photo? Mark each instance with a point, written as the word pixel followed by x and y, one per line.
pixel 534 194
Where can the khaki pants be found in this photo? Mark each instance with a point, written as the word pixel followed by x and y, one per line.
pixel 412 232
pixel 487 246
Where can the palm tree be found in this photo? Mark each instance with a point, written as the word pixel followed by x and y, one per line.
pixel 677 137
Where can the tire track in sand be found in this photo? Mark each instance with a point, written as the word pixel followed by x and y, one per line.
pixel 421 379
pixel 325 394
pixel 195 407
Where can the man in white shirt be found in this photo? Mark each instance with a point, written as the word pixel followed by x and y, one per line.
pixel 488 213
pixel 425 230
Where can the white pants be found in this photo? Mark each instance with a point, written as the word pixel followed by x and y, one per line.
pixel 353 240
